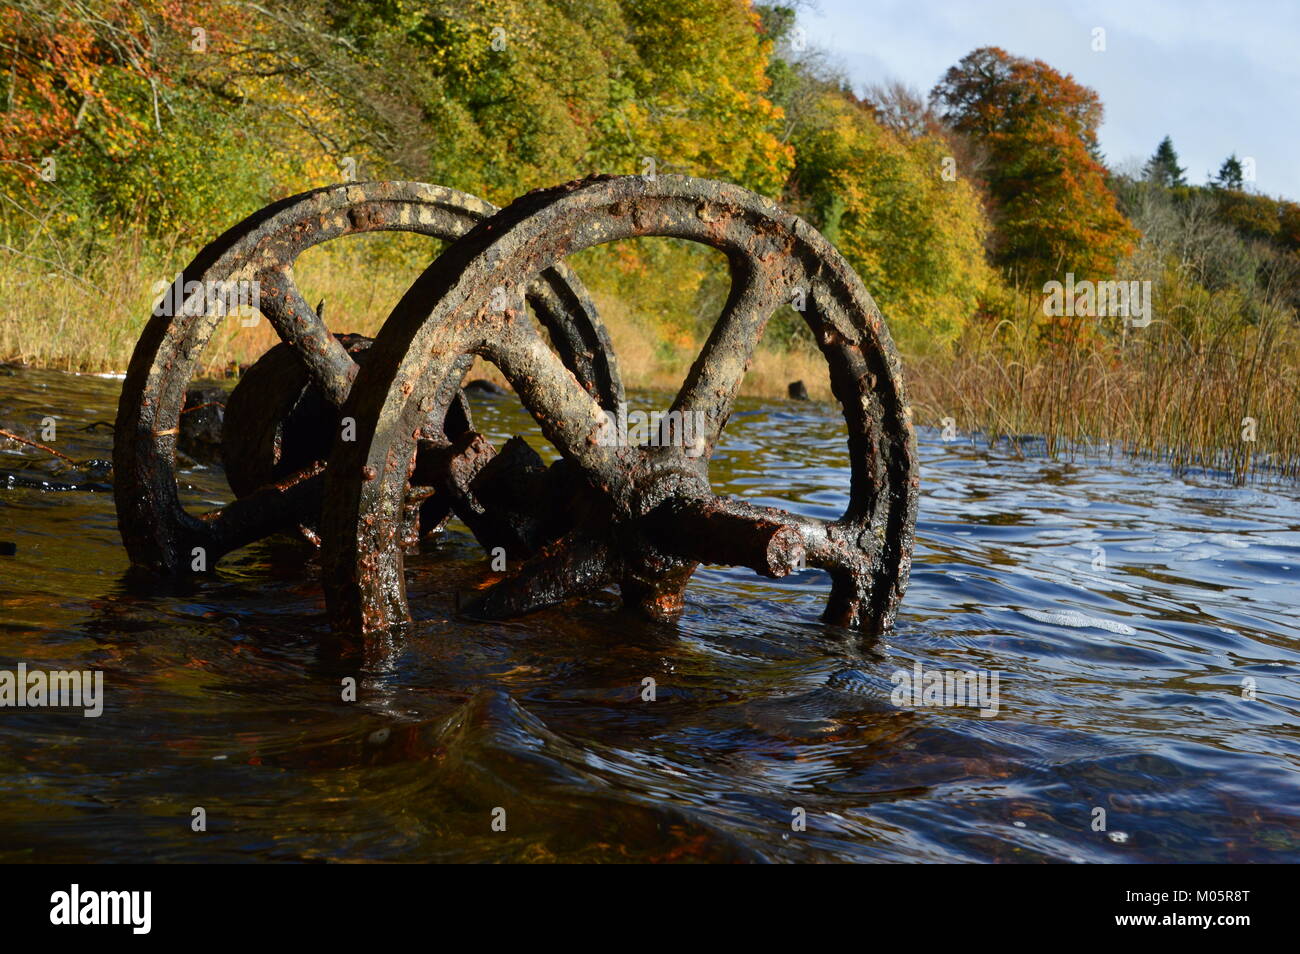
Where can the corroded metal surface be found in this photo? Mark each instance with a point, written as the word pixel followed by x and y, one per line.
pixel 158 533
pixel 276 420
pixel 279 423
pixel 638 517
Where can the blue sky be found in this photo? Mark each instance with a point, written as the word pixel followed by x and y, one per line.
pixel 1218 77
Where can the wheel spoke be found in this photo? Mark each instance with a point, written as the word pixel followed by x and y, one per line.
pixel 327 361
pixel 710 387
pixel 568 415
pixel 565 310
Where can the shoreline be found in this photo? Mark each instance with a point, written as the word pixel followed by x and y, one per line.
pixel 1221 463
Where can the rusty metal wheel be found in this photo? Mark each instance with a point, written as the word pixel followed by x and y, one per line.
pixel 157 531
pixel 642 517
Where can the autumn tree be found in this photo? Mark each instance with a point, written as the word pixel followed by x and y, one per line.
pixel 61 66
pixel 895 207
pixel 500 96
pixel 1253 216
pixel 151 110
pixel 1289 226
pixel 1052 209
pixel 104 119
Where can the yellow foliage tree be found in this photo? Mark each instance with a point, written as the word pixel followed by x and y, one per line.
pixel 903 216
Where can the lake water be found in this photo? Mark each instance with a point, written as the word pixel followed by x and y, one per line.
pixel 1143 628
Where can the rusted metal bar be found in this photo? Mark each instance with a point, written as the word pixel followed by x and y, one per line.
pixel 576 564
pixel 272 508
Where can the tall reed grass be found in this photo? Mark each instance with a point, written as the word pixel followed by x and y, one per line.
pixel 1180 391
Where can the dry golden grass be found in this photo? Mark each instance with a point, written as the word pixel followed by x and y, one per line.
pixel 84 320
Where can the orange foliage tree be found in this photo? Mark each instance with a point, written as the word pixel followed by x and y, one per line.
pixel 1052 209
